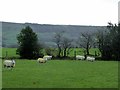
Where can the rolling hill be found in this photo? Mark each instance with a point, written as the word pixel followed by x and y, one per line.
pixel 45 32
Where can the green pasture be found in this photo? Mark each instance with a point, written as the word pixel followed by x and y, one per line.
pixel 80 51
pixel 61 74
pixel 11 52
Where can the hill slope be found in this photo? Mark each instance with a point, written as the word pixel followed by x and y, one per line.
pixel 45 32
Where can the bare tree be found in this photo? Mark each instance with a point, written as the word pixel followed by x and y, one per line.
pixel 63 44
pixel 86 41
pixel 58 41
pixel 66 45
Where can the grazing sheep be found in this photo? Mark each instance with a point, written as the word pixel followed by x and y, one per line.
pixel 90 59
pixel 9 63
pixel 41 60
pixel 47 57
pixel 80 57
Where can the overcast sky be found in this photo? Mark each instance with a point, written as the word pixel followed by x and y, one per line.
pixel 68 12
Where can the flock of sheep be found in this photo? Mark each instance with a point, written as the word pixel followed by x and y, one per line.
pixel 44 59
pixel 11 63
pixel 88 58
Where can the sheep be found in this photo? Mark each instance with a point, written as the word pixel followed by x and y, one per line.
pixel 41 60
pixel 90 59
pixel 47 57
pixel 80 57
pixel 9 63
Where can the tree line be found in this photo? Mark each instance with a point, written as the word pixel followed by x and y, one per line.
pixel 107 41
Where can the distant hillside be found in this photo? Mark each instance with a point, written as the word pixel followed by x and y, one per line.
pixel 45 32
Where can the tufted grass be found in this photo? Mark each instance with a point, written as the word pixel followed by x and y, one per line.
pixel 61 74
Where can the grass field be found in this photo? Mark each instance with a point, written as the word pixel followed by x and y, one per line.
pixel 11 52
pixel 61 74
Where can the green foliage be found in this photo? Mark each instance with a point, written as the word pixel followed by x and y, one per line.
pixel 108 42
pixel 28 44
pixel 61 74
pixel 116 42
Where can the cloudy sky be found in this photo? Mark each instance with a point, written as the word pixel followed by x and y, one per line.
pixel 68 12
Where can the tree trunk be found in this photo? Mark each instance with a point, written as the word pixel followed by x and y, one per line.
pixel 87 51
pixel 65 52
pixel 59 52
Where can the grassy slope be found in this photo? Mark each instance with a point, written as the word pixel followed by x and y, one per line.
pixel 62 74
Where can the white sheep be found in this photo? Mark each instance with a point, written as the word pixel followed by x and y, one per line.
pixel 90 58
pixel 9 63
pixel 41 60
pixel 46 57
pixel 80 57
